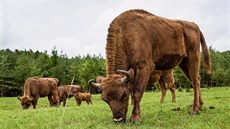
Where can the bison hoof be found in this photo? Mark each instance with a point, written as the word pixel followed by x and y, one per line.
pixel 135 121
pixel 195 113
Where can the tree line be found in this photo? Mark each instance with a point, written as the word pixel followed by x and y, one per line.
pixel 16 66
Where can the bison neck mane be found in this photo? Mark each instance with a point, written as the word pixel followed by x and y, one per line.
pixel 115 53
pixel 26 90
pixel 28 84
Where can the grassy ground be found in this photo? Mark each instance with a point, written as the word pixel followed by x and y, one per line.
pixel 215 113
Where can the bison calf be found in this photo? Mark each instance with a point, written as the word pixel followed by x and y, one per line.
pixel 166 80
pixel 82 97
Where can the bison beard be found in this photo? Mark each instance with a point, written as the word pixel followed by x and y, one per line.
pixel 140 42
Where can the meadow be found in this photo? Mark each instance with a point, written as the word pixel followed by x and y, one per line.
pixel 214 115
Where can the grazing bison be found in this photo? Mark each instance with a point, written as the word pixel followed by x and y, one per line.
pixel 138 43
pixel 82 97
pixel 35 87
pixel 67 91
pixel 164 77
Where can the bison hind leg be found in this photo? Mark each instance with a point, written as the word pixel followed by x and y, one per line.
pixel 190 67
pixel 78 103
pixel 87 101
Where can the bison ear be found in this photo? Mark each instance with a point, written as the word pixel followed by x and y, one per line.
pixel 91 83
pixel 129 74
pixel 19 98
pixel 99 79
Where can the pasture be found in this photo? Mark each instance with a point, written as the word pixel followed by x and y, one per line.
pixel 215 113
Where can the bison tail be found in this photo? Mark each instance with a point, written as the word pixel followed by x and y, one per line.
pixel 205 55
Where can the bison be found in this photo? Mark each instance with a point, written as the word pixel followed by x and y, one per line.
pixel 164 77
pixel 166 80
pixel 35 87
pixel 67 91
pixel 138 43
pixel 79 97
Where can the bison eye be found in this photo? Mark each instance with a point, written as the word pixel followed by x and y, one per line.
pixel 123 96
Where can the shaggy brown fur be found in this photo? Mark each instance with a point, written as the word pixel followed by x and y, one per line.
pixel 140 41
pixel 79 97
pixel 35 87
pixel 67 91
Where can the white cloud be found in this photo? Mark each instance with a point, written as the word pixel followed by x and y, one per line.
pixel 80 27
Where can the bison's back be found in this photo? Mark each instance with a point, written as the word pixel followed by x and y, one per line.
pixel 40 86
pixel 136 36
pixel 70 90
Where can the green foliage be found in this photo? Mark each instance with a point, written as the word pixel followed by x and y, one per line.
pixel 91 68
pixel 16 66
pixel 215 113
pixel 220 72
pixel 180 79
pixel 25 67
pixel 221 67
pixel 4 65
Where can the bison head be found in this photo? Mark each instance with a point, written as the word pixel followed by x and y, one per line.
pixel 115 92
pixel 25 101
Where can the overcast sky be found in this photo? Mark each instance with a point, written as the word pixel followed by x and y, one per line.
pixel 79 27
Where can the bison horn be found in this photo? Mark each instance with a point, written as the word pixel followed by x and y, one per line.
pixel 19 98
pixel 31 98
pixel 91 83
pixel 126 78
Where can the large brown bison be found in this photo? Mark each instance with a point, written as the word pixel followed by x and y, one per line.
pixel 166 80
pixel 138 43
pixel 79 97
pixel 67 91
pixel 35 87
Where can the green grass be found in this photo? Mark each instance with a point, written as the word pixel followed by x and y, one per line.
pixel 99 116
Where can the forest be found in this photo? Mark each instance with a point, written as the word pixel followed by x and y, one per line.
pixel 16 66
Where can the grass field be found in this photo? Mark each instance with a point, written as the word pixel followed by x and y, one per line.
pixel 215 113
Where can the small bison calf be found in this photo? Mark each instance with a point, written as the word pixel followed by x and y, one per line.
pixel 82 97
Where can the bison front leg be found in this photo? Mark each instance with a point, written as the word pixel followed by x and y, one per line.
pixel 141 80
pixel 64 101
pixel 60 102
pixel 79 103
pixel 34 103
pixel 88 101
pixel 50 98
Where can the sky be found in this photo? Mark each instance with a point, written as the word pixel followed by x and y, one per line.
pixel 79 27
